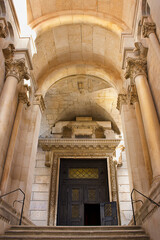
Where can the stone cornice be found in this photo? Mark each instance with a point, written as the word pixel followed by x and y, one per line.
pixel 39 100
pixel 148 28
pixel 17 69
pixel 91 144
pixel 135 67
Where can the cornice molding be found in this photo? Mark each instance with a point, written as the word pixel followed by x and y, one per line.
pixel 78 144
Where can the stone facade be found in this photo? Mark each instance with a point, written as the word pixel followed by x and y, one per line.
pixel 96 61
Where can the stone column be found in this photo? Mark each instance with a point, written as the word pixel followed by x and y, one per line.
pixel 133 146
pixel 23 99
pixel 148 31
pixel 133 100
pixel 15 72
pixel 136 71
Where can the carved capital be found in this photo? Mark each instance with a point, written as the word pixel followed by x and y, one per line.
pixel 3 31
pixel 135 67
pixel 148 28
pixel 39 100
pixel 122 99
pixel 17 69
pixel 9 52
pixel 132 94
pixel 23 98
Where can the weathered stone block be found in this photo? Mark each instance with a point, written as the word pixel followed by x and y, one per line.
pixel 43 187
pixel 38 215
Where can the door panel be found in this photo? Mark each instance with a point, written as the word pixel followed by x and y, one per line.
pixel 108 213
pixel 75 205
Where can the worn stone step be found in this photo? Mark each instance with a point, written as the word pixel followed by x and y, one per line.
pixel 98 228
pixel 44 237
pixel 74 232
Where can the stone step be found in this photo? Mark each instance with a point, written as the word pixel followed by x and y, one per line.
pixel 76 233
pixel 65 228
pixel 46 237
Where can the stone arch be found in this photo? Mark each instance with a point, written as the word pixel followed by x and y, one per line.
pixel 45 23
pixel 75 69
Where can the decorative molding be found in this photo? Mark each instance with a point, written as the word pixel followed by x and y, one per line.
pixel 17 69
pixel 148 28
pixel 108 146
pixel 113 179
pixel 39 100
pixel 122 99
pixel 135 67
pixel 53 196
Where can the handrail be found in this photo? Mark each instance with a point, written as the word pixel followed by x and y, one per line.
pixel 18 189
pixel 132 201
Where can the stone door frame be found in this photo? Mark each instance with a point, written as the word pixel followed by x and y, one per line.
pixel 55 171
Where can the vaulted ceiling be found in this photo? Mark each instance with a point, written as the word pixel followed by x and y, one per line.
pixel 75 38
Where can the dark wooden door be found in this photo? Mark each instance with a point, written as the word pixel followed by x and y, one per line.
pixel 109 213
pixel 82 182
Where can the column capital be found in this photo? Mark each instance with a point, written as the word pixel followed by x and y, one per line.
pixel 122 99
pixel 132 94
pixel 9 51
pixel 23 97
pixel 17 69
pixel 135 66
pixel 39 100
pixel 148 28
pixel 3 31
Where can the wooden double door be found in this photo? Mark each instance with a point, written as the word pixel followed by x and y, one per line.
pixel 83 187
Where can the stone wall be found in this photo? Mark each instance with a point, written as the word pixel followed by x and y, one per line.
pixel 40 191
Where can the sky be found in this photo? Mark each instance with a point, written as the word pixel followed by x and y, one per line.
pixel 21 10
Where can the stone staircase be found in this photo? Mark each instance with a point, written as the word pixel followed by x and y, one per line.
pixel 76 233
